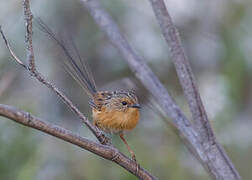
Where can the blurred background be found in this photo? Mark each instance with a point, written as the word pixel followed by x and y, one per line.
pixel 217 37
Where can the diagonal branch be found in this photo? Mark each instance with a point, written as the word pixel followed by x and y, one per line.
pixel 183 69
pixel 105 151
pixel 9 48
pixel 187 80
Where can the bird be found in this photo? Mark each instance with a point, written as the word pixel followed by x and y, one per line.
pixel 112 111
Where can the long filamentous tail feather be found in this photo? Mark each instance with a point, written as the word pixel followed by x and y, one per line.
pixel 78 70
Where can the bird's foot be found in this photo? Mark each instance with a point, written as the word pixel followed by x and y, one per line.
pixel 133 157
pixel 104 139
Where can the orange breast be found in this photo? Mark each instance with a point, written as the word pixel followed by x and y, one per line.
pixel 115 121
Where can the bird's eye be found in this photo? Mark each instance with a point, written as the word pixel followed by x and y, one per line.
pixel 124 103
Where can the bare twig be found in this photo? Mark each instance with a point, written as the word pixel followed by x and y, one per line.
pixel 32 68
pixel 38 76
pixel 211 155
pixel 105 151
pixel 9 48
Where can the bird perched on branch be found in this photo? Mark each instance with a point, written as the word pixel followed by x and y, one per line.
pixel 112 111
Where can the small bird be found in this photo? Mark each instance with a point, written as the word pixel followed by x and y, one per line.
pixel 112 111
pixel 115 112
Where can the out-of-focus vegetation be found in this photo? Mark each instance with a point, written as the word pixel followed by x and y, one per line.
pixel 217 37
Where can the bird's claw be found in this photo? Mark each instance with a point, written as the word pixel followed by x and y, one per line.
pixel 104 139
pixel 133 157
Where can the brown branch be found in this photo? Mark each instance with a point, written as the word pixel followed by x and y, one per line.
pixel 106 151
pixel 211 155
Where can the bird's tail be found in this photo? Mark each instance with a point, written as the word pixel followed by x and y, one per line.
pixel 77 68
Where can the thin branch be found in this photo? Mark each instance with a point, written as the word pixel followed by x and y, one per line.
pixel 28 36
pixel 187 80
pixel 9 48
pixel 40 78
pixel 105 151
pixel 32 68
pixel 212 156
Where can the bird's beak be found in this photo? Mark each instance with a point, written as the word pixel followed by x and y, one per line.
pixel 136 106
